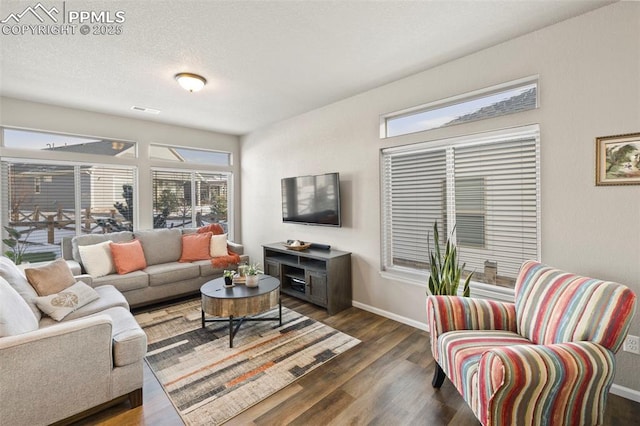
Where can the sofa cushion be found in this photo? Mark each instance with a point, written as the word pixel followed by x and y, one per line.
pixel 169 273
pixel 196 247
pixel 160 245
pixel 207 268
pixel 16 279
pixel 90 239
pixel 59 305
pixel 51 278
pixel 97 259
pixel 131 281
pixel 15 315
pixel 128 257
pixel 129 341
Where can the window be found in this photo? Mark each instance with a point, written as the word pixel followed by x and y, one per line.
pixel 495 101
pixel 36 185
pixel 66 200
pixel 189 155
pixel 482 191
pixel 190 199
pixel 63 144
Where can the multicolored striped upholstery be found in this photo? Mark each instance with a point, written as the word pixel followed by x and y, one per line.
pixel 554 306
pixel 560 384
pixel 449 313
pixel 461 352
pixel 548 359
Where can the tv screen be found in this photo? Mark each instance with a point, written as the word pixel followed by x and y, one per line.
pixel 312 200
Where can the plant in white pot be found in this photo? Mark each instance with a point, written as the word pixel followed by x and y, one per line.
pixel 253 272
pixel 445 270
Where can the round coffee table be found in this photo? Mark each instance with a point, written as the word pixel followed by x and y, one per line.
pixel 237 304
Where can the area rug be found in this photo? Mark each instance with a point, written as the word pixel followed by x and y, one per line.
pixel 208 382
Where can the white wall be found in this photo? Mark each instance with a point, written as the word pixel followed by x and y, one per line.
pixel 36 116
pixel 589 74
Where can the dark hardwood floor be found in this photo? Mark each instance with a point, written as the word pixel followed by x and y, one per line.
pixel 385 380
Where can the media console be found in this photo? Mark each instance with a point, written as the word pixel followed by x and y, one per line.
pixel 322 277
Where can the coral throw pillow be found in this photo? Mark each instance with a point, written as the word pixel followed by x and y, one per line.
pixel 196 247
pixel 215 228
pixel 128 257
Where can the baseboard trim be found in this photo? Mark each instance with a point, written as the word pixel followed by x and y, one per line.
pixel 625 392
pixel 391 315
pixel 621 391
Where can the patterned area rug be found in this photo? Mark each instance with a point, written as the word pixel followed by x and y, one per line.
pixel 208 382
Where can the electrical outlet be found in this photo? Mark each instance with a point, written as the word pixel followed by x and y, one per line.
pixel 632 344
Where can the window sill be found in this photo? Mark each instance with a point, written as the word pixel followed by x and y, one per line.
pixel 478 289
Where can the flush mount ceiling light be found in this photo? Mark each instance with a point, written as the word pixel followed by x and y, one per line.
pixel 190 82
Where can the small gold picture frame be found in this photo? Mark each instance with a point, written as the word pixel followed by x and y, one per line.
pixel 618 160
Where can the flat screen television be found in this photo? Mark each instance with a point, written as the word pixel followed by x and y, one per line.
pixel 312 200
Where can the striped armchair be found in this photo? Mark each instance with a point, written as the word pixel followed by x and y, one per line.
pixel 547 359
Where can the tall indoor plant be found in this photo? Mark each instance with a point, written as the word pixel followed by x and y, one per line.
pixel 445 273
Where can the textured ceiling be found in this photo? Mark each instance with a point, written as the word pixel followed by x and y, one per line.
pixel 265 61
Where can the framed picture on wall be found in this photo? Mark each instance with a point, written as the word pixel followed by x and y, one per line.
pixel 618 159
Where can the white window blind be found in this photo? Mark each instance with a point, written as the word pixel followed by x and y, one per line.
pixel 482 190
pixel 46 202
pixel 413 197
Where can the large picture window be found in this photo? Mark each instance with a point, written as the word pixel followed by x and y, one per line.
pixel 481 190
pixel 45 202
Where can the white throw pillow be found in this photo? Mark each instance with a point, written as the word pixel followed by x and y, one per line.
pixel 218 245
pixel 15 315
pixel 16 279
pixel 97 259
pixel 59 305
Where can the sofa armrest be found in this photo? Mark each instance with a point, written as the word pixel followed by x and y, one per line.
pixel 449 313
pixel 65 368
pixel 75 267
pixel 570 384
pixel 85 278
pixel 235 247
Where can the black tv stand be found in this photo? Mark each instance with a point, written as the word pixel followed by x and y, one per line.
pixel 319 276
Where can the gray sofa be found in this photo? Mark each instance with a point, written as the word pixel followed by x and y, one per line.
pixel 50 370
pixel 163 278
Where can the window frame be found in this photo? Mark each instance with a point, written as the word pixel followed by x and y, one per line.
pixel 212 171
pixel 63 155
pixel 460 99
pixel 417 277
pixel 177 163
pixel 76 167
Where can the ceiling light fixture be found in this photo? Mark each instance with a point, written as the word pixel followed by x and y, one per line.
pixel 190 82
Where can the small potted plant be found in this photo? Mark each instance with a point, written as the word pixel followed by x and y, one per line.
pixel 252 275
pixel 228 277
pixel 445 270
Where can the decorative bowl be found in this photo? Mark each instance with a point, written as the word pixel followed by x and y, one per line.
pixel 304 246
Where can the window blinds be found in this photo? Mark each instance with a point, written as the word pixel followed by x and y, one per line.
pixel 483 192
pixel 46 202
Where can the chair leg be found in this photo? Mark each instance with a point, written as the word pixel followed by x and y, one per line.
pixel 438 376
pixel 135 398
